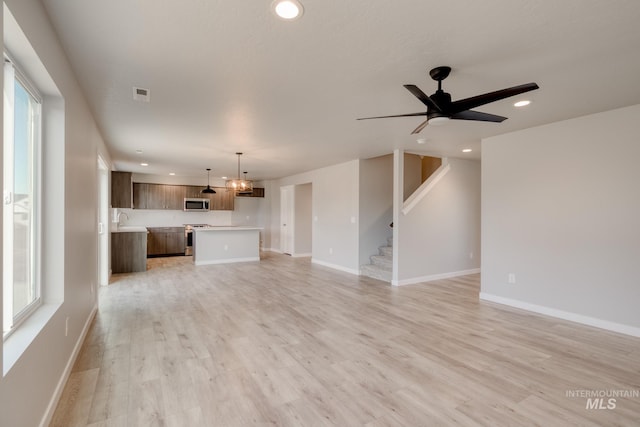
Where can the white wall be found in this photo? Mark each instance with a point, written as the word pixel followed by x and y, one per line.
pixel 27 388
pixel 303 211
pixel 440 236
pixel 376 205
pixel 335 214
pixel 561 211
pixel 412 174
pixel 249 211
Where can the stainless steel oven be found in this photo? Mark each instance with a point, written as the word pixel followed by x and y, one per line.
pixel 188 237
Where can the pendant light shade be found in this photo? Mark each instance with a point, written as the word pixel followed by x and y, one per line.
pixel 238 185
pixel 208 190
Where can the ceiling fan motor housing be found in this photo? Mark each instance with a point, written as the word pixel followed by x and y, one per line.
pixel 443 100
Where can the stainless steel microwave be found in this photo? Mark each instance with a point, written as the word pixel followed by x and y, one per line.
pixel 196 205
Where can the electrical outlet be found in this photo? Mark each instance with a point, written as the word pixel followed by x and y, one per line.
pixel 66 327
pixel 512 279
pixel 226 247
pixel 330 251
pixel 470 255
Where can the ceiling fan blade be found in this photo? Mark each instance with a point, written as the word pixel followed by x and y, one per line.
pixel 419 128
pixel 476 101
pixel 479 116
pixel 415 90
pixel 397 115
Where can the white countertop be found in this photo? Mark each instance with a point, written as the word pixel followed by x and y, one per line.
pixel 130 229
pixel 226 228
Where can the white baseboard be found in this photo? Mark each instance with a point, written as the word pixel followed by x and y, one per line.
pixel 278 251
pixel 227 261
pixel 301 255
pixel 565 315
pixel 336 267
pixel 433 277
pixel 53 403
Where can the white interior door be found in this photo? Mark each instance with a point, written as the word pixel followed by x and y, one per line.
pixel 287 216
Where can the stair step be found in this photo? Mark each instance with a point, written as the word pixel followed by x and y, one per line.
pixel 382 261
pixel 376 272
pixel 386 250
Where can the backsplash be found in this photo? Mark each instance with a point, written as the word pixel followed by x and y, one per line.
pixel 169 218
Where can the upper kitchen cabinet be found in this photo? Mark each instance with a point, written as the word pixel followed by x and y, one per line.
pixel 194 192
pixel 257 192
pixel 222 200
pixel 158 196
pixel 174 196
pixel 163 196
pixel 121 191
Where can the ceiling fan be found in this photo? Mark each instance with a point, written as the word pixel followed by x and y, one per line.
pixel 440 108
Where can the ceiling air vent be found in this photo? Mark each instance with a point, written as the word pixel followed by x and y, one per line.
pixel 140 94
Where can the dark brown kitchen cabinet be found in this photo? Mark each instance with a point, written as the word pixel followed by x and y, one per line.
pixel 174 196
pixel 163 196
pixel 164 241
pixel 128 252
pixel 222 200
pixel 195 192
pixel 257 192
pixel 121 190
pixel 158 196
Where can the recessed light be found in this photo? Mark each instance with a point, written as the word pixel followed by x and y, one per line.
pixel 144 164
pixel 421 140
pixel 172 173
pixel 139 151
pixel 467 150
pixel 522 103
pixel 287 9
pixel 223 177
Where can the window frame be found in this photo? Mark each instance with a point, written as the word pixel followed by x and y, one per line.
pixel 16 319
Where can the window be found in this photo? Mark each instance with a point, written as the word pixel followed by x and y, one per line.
pixel 21 164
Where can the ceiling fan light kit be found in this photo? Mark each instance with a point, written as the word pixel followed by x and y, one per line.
pixel 438 121
pixel 441 109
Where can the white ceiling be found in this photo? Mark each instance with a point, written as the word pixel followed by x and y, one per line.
pixel 227 76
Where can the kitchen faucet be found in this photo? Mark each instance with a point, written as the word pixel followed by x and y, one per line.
pixel 120 214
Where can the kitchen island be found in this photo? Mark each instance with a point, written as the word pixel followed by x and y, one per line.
pixel 225 244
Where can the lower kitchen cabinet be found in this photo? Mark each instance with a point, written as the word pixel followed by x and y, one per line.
pixel 164 241
pixel 128 252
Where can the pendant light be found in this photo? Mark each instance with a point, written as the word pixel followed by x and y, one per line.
pixel 208 190
pixel 240 186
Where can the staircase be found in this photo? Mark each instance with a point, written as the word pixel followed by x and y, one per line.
pixel 382 264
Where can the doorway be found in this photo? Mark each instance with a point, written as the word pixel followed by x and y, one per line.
pixel 103 222
pixel 295 220
pixel 287 218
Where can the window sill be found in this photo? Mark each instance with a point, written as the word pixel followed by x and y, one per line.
pixel 16 343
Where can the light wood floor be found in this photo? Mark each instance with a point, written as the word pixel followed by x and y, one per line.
pixel 287 343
